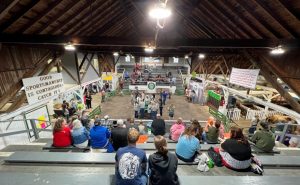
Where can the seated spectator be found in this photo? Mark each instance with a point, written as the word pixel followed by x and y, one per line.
pixel 158 126
pixel 264 139
pixel 254 122
pixel 73 118
pixel 212 132
pixel 142 128
pixel 236 151
pixel 80 135
pixel 177 129
pixel 188 145
pixel 163 164
pixel 131 162
pixel 61 134
pixel 130 124
pixel 85 121
pixel 100 138
pixel 80 106
pixel 199 130
pixel 119 135
pixel 106 123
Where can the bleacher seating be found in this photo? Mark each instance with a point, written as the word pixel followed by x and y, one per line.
pixel 11 178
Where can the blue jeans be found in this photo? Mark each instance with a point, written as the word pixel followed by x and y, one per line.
pixel 153 114
pixel 164 100
pixel 144 179
pixel 136 114
pixel 142 112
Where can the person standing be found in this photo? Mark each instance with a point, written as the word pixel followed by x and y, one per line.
pixel 142 108
pixel 164 97
pixel 161 107
pixel 136 108
pixel 158 126
pixel 171 110
pixel 119 135
pixel 88 100
pixel 163 164
pixel 65 109
pixel 154 108
pixel 131 162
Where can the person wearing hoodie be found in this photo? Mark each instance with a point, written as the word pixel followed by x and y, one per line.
pixel 264 139
pixel 176 129
pixel 162 164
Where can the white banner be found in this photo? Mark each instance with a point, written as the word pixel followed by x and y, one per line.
pixel 244 77
pixel 42 87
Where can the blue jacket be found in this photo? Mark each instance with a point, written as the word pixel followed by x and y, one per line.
pixel 99 136
pixel 80 135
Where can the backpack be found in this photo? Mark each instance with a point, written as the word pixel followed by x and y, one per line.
pixel 215 157
pixel 256 166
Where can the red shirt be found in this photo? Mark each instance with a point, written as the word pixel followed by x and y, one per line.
pixel 62 138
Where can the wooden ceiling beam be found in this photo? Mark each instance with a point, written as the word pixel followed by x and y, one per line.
pixel 260 20
pixel 64 26
pixel 282 23
pixel 56 17
pixel 109 23
pixel 139 42
pixel 18 15
pixel 101 14
pixel 287 5
pixel 50 7
pixel 6 6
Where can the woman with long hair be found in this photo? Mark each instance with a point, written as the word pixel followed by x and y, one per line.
pixel 188 145
pixel 199 130
pixel 61 134
pixel 236 151
pixel 162 164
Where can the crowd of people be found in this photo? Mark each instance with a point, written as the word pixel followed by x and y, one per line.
pixel 104 135
pixel 147 105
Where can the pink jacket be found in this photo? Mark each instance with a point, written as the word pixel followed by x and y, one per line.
pixel 176 130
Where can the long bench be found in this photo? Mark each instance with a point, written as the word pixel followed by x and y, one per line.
pixel 109 158
pixel 147 146
pixel 11 178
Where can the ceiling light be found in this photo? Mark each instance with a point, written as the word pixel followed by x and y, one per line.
pixel 149 49
pixel 70 47
pixel 186 56
pixel 277 51
pixel 201 56
pixel 160 11
pixel 132 56
pixel 116 54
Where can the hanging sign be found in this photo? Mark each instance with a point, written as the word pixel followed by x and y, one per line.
pixel 42 87
pixel 244 77
pixel 151 87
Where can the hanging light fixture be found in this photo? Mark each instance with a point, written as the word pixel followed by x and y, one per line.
pixel 277 51
pixel 160 11
pixel 201 56
pixel 116 54
pixel 70 47
pixel 149 49
pixel 186 56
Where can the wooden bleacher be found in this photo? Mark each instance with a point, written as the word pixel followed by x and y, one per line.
pixel 12 178
pixel 109 158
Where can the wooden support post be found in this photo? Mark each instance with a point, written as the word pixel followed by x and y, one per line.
pixel 266 72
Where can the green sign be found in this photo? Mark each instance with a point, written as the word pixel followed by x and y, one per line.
pixel 221 117
pixel 214 95
pixel 151 85
pixel 213 100
pixel 96 111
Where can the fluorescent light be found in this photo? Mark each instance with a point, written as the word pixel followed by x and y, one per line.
pixel 116 54
pixel 149 49
pixel 160 11
pixel 186 56
pixel 201 56
pixel 70 47
pixel 277 51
